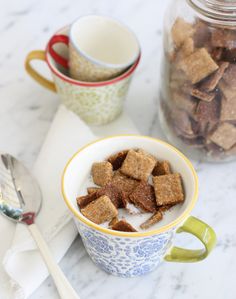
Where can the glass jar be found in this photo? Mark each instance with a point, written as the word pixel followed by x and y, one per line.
pixel 198 90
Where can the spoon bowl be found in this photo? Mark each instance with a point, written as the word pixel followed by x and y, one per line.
pixel 20 201
pixel 20 194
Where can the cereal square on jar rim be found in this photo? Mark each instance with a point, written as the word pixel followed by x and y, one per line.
pixel 138 165
pixel 102 173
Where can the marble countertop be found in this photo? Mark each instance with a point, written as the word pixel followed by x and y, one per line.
pixel 25 116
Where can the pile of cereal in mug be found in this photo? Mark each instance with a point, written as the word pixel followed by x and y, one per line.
pixel 131 178
pixel 203 86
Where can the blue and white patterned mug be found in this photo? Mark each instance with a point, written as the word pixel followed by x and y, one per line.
pixel 132 254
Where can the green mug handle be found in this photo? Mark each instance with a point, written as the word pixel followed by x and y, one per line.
pixel 200 230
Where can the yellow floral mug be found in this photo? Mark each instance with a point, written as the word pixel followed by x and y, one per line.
pixel 133 254
pixel 96 103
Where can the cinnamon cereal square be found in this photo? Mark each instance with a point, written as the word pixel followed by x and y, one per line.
pixel 185 50
pixel 211 83
pixel 181 30
pixel 91 190
pixel 219 54
pixel 224 136
pixel 202 95
pixel 198 65
pixel 221 38
pixel 161 168
pixel 143 152
pixel 102 173
pixel 228 109
pixel 207 111
pixel 117 159
pixel 125 186
pixel 183 123
pixel 228 91
pixel 138 165
pixel 155 218
pixel 230 76
pixel 187 47
pixel 123 226
pixel 168 189
pixel 228 55
pixel 113 221
pixel 184 101
pixel 202 34
pixel 123 182
pixel 143 197
pixel 232 151
pixel 114 193
pixel 178 78
pixel 100 210
pixel 83 201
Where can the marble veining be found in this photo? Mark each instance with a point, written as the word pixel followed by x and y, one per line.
pixel 25 116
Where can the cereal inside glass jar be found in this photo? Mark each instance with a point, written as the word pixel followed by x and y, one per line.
pixel 198 96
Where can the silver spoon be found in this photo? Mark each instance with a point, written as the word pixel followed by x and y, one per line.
pixel 20 201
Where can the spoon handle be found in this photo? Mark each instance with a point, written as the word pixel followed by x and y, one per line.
pixel 63 286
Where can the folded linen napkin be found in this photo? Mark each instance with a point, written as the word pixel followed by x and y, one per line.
pixel 23 269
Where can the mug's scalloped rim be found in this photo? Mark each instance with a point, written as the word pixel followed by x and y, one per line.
pixel 172 224
pixel 65 78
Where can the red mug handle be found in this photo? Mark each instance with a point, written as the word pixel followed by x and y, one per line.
pixel 61 38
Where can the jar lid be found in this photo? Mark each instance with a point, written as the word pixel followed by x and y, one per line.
pixel 218 10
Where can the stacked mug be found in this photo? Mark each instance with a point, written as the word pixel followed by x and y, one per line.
pixel 92 63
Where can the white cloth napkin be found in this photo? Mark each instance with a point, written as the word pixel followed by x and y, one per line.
pixel 23 269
